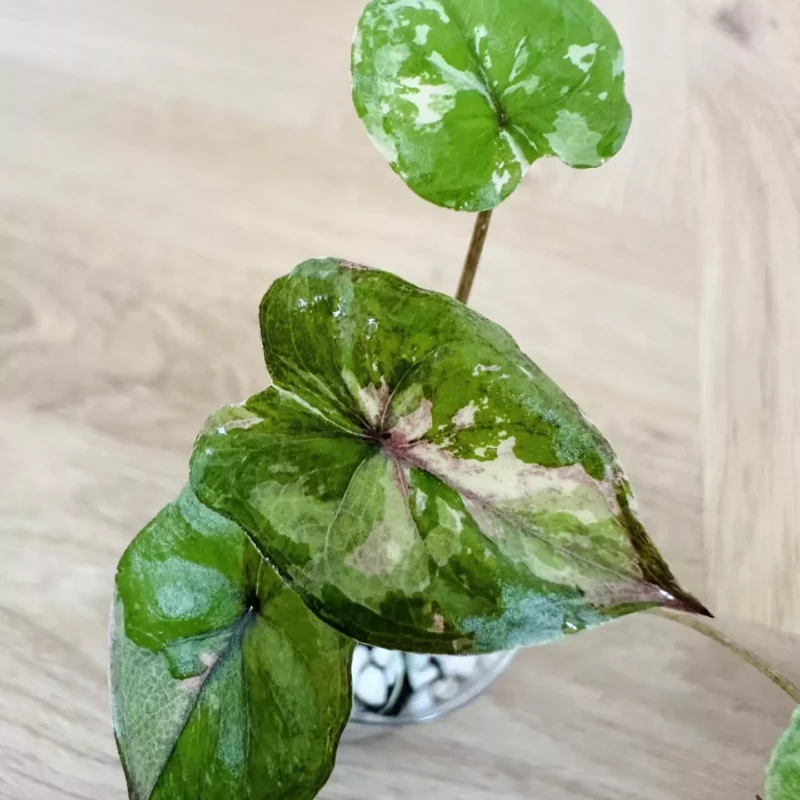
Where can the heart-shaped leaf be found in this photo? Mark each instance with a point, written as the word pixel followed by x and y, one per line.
pixel 783 770
pixel 462 96
pixel 223 683
pixel 419 481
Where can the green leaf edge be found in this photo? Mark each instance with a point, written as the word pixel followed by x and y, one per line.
pixel 773 781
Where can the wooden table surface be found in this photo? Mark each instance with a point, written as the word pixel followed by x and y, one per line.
pixel 162 162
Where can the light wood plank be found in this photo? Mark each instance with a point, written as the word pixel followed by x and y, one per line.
pixel 747 177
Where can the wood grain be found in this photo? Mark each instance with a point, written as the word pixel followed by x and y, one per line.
pixel 748 199
pixel 162 163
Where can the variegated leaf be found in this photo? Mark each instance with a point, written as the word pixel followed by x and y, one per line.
pixel 783 770
pixel 418 480
pixel 224 685
pixel 462 96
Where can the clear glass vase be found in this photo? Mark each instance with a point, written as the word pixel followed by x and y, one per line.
pixel 394 688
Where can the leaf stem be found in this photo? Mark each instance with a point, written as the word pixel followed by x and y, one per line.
pixel 473 255
pixel 701 626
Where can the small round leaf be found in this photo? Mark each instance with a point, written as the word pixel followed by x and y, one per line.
pixel 462 97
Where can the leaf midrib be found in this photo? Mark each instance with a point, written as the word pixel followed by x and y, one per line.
pixel 505 121
pixel 498 108
pixel 240 629
pixel 534 530
pixel 403 457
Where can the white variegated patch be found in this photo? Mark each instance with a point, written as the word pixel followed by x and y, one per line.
pixel 395 17
pixel 618 67
pixel 515 150
pixel 379 554
pixel 372 400
pixel 432 101
pixel 529 85
pixel 509 481
pixel 461 80
pixel 573 142
pixel 500 179
pixel 465 417
pixel 520 60
pixel 414 425
pixel 582 57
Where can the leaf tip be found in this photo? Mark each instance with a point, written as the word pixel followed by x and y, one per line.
pixel 686 603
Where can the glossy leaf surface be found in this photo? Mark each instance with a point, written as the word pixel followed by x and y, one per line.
pixel 224 685
pixel 462 96
pixel 418 480
pixel 783 770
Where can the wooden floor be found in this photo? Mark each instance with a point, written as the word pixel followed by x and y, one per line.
pixel 162 162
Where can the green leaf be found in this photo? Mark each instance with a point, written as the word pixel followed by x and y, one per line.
pixel 783 770
pixel 223 684
pixel 418 480
pixel 462 96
